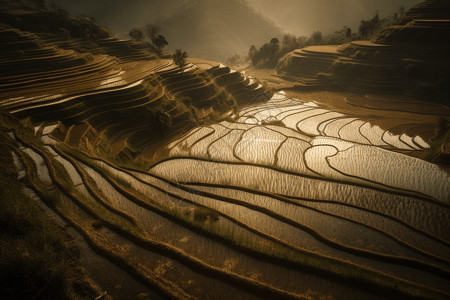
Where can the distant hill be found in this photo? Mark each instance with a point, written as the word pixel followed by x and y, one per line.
pixel 212 29
pixel 217 29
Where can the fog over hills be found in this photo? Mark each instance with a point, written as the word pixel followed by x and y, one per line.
pixel 302 17
pixel 217 29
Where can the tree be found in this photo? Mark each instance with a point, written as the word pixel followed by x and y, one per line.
pixel 289 43
pixel 264 52
pixel 274 46
pixel 152 31
pixel 301 41
pixel 374 24
pixel 160 42
pixel 179 58
pixel 348 34
pixel 252 52
pixel 364 29
pixel 136 34
pixel 316 37
pixel 368 28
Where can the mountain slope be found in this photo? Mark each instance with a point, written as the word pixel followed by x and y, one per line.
pixel 217 29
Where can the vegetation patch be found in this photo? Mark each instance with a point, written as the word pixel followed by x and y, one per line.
pixel 38 260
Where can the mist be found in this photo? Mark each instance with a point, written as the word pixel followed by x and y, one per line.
pixel 217 29
pixel 302 17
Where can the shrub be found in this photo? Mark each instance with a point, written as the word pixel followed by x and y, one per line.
pixel 136 34
pixel 179 58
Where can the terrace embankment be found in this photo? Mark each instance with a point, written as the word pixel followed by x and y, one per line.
pixel 122 103
pixel 410 58
pixel 211 234
pixel 251 195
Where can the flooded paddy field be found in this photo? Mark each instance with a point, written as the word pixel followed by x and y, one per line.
pixel 285 199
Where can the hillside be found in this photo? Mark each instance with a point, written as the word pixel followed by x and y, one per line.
pixel 217 29
pixel 209 29
pixel 160 180
pixel 69 78
pixel 410 58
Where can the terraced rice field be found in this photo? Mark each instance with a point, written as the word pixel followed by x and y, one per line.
pixel 132 98
pixel 299 203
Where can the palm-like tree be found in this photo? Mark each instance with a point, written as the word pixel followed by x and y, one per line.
pixel 179 58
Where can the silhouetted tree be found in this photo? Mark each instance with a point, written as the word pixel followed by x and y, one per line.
pixel 301 41
pixel 274 45
pixel 267 55
pixel 316 37
pixel 152 31
pixel 374 23
pixel 289 43
pixel 179 58
pixel 368 28
pixel 364 29
pixel 159 42
pixel 265 51
pixel 252 52
pixel 136 34
pixel 348 34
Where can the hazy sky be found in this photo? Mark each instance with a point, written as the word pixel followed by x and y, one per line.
pixel 302 17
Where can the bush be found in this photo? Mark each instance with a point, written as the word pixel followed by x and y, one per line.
pixel 136 34
pixel 179 58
